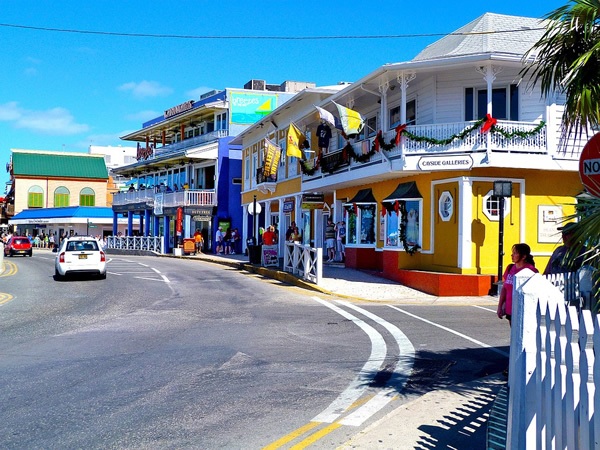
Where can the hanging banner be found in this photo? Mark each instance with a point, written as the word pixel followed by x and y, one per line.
pixel 272 156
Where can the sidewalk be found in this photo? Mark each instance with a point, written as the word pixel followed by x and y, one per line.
pixel 461 416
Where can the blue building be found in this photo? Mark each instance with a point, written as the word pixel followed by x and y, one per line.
pixel 187 175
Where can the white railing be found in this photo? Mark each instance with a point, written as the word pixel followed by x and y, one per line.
pixel 303 261
pixel 553 370
pixel 189 197
pixel 150 243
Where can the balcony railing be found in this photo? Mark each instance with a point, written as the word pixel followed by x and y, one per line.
pixel 473 142
pixel 191 142
pixel 190 197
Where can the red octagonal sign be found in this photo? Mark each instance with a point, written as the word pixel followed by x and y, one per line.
pixel 589 166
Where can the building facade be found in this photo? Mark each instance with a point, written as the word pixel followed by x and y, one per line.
pixel 188 175
pixel 57 193
pixel 419 186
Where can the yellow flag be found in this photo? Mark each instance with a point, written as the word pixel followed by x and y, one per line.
pixel 272 155
pixel 295 137
pixel 352 121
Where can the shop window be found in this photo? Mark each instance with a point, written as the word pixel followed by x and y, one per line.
pixel 491 206
pixel 61 197
pixel 35 197
pixel 446 206
pixel 410 225
pixel 360 223
pixel 87 197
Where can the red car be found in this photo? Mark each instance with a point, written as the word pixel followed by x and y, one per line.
pixel 18 245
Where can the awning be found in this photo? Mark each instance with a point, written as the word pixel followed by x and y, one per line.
pixel 404 191
pixel 363 196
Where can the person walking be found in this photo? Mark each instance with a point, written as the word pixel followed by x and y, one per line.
pixel 521 259
pixel 198 240
pixel 341 240
pixel 330 240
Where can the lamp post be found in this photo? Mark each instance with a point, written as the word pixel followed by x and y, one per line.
pixel 501 189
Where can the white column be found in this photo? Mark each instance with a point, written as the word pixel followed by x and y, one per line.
pixel 489 73
pixel 464 211
pixel 383 112
pixel 404 78
pixel 282 228
pixel 245 235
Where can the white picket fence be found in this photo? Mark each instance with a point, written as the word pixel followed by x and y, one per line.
pixel 553 370
pixel 303 261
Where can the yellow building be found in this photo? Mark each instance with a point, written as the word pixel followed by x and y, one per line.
pixel 418 185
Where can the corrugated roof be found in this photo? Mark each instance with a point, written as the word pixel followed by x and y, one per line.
pixel 520 35
pixel 58 164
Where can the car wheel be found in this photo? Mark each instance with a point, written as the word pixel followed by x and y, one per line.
pixel 57 276
pixel 103 276
pixel 30 254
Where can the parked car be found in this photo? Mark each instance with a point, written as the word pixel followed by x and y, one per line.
pixel 79 255
pixel 18 245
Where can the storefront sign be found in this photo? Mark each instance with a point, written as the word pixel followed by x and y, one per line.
pixel 313 201
pixel 186 106
pixel 270 256
pixel 456 162
pixel 206 211
pixel 201 218
pixel 549 219
pixel 288 206
pixel 589 166
pixel 179 222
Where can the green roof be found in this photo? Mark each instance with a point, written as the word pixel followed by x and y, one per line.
pixel 61 165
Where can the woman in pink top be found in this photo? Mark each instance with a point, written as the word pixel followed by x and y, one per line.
pixel 521 259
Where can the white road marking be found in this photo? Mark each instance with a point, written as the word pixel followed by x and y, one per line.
pixel 399 376
pixel 360 383
pixel 464 336
pixel 485 308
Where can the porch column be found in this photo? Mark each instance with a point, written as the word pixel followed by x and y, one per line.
pixel 147 222
pixel 167 234
pixel 383 110
pixel 281 228
pixel 489 73
pixel 267 213
pixel 141 225
pixel 245 220
pixel 404 78
pixel 115 227
pixel 130 223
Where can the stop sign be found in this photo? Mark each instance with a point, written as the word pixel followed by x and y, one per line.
pixel 589 166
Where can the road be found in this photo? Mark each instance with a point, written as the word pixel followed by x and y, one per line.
pixel 170 353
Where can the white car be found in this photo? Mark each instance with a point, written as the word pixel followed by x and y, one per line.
pixel 79 255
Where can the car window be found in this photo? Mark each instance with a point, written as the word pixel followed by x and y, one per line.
pixel 78 246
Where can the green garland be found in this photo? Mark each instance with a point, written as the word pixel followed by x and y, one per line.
pixel 410 249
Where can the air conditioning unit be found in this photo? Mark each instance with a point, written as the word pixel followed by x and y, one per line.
pixel 255 85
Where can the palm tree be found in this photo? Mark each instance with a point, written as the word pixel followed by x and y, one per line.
pixel 567 60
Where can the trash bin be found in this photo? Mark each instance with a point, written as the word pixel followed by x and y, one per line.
pixel 254 254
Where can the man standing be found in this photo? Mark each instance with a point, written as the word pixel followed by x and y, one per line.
pixel 330 240
pixel 219 241
pixel 198 240
pixel 559 262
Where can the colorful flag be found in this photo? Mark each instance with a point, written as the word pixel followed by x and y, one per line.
pixel 352 121
pixel 294 138
pixel 329 118
pixel 272 156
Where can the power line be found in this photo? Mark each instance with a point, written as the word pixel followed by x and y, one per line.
pixel 280 38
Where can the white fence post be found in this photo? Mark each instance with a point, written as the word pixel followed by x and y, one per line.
pixel 588 387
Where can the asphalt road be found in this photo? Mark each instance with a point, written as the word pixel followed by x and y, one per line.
pixel 169 353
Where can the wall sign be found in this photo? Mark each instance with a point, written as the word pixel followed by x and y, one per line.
pixel 456 162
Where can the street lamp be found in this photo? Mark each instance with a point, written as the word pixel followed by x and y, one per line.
pixel 501 189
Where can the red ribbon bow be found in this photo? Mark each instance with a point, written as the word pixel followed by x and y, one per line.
pixel 399 130
pixel 488 124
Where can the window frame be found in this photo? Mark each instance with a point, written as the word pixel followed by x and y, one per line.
pixel 355 223
pixel 35 197
pixel 392 224
pixel 62 198
pixel 86 195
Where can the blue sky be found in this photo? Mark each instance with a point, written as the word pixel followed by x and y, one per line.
pixel 66 91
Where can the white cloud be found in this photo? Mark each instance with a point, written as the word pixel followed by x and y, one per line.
pixel 145 89
pixel 56 121
pixel 143 116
